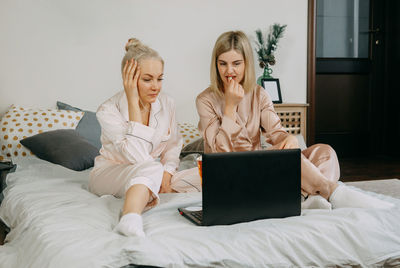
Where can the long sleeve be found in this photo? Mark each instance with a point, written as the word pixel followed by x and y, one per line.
pixel 132 140
pixel 220 133
pixel 271 126
pixel 170 156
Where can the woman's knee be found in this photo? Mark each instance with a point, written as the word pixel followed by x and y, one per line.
pixel 149 173
pixel 320 151
pixel 326 160
pixel 326 149
pixel 151 169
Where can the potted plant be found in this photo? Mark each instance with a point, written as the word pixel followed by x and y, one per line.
pixel 266 47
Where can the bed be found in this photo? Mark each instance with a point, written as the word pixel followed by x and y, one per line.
pixel 55 222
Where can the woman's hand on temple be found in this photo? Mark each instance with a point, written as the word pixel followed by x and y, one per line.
pixel 166 183
pixel 233 96
pixel 130 76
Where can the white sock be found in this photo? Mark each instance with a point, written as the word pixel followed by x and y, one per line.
pixel 345 197
pixel 130 224
pixel 316 202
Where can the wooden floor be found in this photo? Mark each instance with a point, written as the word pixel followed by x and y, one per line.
pixel 369 168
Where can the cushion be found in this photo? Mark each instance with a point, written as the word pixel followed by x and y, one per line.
pixel 196 146
pixel 189 133
pixel 63 147
pixel 187 161
pixel 88 127
pixel 19 123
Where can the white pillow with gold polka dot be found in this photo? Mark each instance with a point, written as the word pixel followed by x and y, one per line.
pixel 19 123
pixel 189 133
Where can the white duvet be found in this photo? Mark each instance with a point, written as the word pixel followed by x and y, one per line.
pixel 56 222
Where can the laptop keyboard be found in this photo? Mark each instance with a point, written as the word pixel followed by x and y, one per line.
pixel 197 214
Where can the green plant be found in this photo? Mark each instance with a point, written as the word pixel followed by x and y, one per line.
pixel 267 44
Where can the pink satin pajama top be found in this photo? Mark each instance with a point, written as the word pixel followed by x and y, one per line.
pixel 128 142
pixel 255 114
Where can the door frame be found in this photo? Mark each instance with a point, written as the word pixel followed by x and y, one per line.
pixel 382 134
pixel 311 70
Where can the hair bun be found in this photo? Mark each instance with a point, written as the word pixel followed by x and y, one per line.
pixel 132 42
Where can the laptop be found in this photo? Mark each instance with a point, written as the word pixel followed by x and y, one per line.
pixel 247 186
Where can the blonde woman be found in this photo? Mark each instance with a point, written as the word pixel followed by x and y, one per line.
pixel 234 111
pixel 138 127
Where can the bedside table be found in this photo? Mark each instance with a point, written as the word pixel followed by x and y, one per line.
pixel 293 117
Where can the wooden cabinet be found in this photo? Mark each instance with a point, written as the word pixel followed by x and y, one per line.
pixel 293 117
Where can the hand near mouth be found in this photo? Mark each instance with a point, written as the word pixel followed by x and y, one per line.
pixel 234 94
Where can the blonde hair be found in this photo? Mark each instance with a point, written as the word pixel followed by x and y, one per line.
pixel 138 51
pixel 238 41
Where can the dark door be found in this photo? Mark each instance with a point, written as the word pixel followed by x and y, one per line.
pixel 352 86
pixel 391 144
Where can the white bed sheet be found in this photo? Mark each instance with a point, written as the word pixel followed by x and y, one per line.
pixel 56 222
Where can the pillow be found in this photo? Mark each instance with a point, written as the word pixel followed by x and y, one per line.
pixel 88 127
pixel 19 123
pixel 189 133
pixel 196 146
pixel 64 147
pixel 188 161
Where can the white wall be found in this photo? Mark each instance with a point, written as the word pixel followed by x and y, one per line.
pixel 71 50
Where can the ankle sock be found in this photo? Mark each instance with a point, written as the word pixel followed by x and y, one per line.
pixel 316 202
pixel 345 197
pixel 130 224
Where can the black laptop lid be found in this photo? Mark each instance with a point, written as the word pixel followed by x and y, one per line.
pixel 246 186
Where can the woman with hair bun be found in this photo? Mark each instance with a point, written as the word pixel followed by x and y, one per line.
pixel 138 128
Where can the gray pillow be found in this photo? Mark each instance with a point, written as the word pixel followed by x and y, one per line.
pixel 88 127
pixel 188 161
pixel 196 146
pixel 63 147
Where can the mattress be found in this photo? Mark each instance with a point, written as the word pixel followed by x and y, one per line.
pixel 56 222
